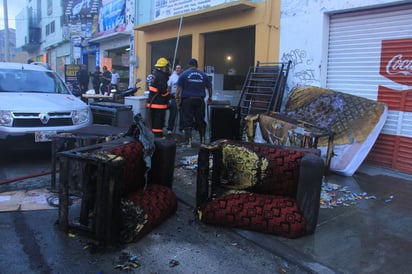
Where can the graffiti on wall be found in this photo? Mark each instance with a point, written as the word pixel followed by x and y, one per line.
pixel 302 72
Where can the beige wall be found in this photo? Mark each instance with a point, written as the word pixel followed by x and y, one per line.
pixel 265 17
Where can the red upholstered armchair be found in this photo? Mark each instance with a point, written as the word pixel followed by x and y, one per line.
pixel 114 188
pixel 259 187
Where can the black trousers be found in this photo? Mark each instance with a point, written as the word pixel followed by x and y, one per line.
pixel 193 114
pixel 158 120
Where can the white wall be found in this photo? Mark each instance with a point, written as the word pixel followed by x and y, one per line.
pixel 118 42
pixel 22 30
pixel 304 35
pixel 56 37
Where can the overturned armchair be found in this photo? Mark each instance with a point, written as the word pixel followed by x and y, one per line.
pixel 125 189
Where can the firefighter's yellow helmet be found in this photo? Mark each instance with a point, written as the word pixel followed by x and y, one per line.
pixel 161 62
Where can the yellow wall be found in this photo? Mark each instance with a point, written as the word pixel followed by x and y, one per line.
pixel 266 18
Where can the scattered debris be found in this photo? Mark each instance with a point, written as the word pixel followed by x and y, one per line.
pixel 173 263
pixel 389 199
pixel 189 162
pixel 333 195
pixel 126 262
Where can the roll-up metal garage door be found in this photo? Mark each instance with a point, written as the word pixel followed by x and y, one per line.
pixel 370 55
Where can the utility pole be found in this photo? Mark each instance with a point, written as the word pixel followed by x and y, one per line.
pixel 6 30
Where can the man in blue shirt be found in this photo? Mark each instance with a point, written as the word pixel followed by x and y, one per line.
pixel 190 97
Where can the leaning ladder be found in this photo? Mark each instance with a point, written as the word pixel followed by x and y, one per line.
pixel 263 89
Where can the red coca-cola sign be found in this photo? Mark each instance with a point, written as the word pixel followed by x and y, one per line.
pixel 396 60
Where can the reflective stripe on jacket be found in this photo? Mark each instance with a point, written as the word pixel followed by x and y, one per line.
pixel 157 106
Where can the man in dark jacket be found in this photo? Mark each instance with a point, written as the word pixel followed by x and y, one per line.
pixel 106 80
pixel 97 75
pixel 190 97
pixel 83 78
pixel 158 95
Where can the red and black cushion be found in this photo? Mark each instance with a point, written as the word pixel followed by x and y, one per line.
pixel 135 167
pixel 282 174
pixel 156 204
pixel 277 215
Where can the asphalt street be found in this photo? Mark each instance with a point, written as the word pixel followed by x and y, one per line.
pixel 31 242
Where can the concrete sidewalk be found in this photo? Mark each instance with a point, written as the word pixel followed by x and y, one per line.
pixel 370 233
pixel 366 229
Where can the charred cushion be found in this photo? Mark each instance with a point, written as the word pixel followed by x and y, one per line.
pixel 271 170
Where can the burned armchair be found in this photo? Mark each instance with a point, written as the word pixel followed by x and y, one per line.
pixel 122 200
pixel 259 187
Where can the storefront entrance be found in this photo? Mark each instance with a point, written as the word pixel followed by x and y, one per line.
pixel 120 61
pixel 228 55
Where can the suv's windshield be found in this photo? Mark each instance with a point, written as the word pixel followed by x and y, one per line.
pixel 12 80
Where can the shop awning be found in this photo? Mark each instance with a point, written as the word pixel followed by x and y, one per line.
pixel 111 36
pixel 216 11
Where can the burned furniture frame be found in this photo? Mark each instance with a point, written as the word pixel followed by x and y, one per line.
pixel 280 129
pixel 115 181
pixel 101 191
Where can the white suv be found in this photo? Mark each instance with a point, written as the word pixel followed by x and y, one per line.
pixel 35 101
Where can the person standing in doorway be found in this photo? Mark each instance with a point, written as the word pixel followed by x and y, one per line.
pixel 190 97
pixel 158 95
pixel 115 80
pixel 97 75
pixel 172 103
pixel 83 78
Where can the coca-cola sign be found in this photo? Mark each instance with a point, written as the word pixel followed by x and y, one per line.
pixel 396 60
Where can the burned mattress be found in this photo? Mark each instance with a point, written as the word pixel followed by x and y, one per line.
pixel 355 121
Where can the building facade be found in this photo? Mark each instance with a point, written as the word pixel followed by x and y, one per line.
pixel 358 47
pixel 13 55
pixel 73 32
pixel 227 37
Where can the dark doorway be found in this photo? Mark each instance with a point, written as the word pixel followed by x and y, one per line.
pixel 166 48
pixel 231 53
pixel 120 62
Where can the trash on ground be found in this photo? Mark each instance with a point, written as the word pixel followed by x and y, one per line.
pixel 389 199
pixel 189 162
pixel 126 262
pixel 173 263
pixel 334 195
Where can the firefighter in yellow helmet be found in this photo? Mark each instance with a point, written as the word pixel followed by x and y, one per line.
pixel 158 95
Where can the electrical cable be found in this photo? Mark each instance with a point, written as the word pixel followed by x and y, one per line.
pixel 8 181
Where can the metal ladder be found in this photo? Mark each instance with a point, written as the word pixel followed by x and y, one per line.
pixel 263 89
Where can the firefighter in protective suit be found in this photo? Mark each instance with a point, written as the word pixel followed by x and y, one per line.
pixel 159 95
